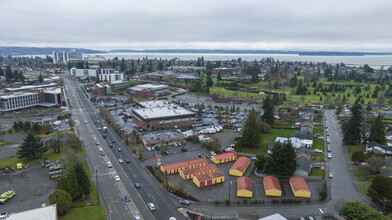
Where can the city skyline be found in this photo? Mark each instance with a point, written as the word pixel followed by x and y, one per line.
pixel 250 25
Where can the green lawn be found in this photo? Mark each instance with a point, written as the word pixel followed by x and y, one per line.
pixel 361 175
pixel 85 213
pixel 352 148
pixel 318 157
pixel 318 144
pixel 54 133
pixel 267 138
pixel 222 91
pixel 317 172
pixel 364 188
pixel 318 129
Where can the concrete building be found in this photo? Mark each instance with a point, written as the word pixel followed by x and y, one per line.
pixel 207 179
pixel 33 98
pixel 44 213
pixel 110 75
pixel 148 90
pixel 167 137
pixel 95 60
pixel 44 85
pixel 84 72
pixel 189 173
pixel 102 89
pixel 176 167
pixel 162 114
pixel 63 57
pixel 240 166
pixel 226 157
pixel 244 187
pixel 119 85
pixel 299 187
pixel 272 186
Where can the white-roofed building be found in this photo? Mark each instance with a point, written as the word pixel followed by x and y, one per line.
pixel 148 90
pixel 44 213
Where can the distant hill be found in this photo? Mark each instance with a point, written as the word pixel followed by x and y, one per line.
pixel 15 51
pixel 301 53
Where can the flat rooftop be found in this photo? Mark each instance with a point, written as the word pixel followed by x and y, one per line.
pixel 22 88
pixel 162 136
pixel 44 213
pixel 168 111
pixel 13 95
pixel 153 104
pixel 150 86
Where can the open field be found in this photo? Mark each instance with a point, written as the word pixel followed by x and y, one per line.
pixel 86 213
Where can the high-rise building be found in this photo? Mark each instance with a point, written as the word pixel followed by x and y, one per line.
pixel 63 57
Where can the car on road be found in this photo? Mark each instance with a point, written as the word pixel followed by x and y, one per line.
pixel 137 185
pixel 109 164
pixel 85 122
pixel 99 128
pixel 110 145
pixel 127 161
pixel 97 143
pixel 330 175
pixel 329 156
pixel 113 141
pixel 329 148
pixel 184 202
pixel 119 149
pixel 104 136
pixel 137 217
pixel 127 199
pixel 212 153
pixel 117 178
pixel 120 160
pixel 151 206
pixel 172 218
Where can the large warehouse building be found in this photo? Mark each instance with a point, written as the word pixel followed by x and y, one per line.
pixel 240 166
pixel 176 167
pixel 209 178
pixel 189 173
pixel 244 187
pixel 226 157
pixel 300 187
pixel 162 114
pixel 272 186
pixel 148 90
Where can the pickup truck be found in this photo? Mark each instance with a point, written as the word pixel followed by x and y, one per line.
pixel 6 196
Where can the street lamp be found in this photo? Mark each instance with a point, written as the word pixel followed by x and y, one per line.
pixel 110 210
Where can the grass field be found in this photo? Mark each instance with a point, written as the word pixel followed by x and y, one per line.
pixel 318 129
pixel 364 188
pixel 361 174
pixel 85 213
pixel 267 138
pixel 352 148
pixel 318 144
pixel 317 172
pixel 54 133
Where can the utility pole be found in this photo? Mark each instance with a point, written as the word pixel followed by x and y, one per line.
pixel 96 178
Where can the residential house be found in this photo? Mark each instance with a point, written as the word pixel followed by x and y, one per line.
pixel 388 136
pixel 378 148
pixel 306 139
pixel 306 113
pixel 304 162
pixel 294 141
pixel 306 130
pixel 305 123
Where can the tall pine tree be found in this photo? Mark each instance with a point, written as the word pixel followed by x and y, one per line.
pixel 8 73
pixel 31 148
pixel 251 134
pixel 1 72
pixel 352 134
pixel 268 107
pixel 282 161
pixel 377 131
pixel 40 78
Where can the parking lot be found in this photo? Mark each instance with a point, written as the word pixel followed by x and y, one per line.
pixel 32 187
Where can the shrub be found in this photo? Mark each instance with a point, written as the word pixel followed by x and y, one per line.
pixel 308 200
pixel 216 202
pixel 298 200
pixel 183 149
pixel 245 201
pixel 227 202
pixel 275 200
pixel 323 192
pixel 62 199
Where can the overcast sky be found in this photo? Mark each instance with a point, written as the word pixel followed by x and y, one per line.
pixel 331 25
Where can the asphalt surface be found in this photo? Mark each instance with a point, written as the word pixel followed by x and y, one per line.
pixel 114 192
pixel 342 186
pixel 7 151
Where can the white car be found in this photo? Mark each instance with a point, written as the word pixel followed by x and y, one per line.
pixel 318 151
pixel 151 206
pixel 120 160
pixel 329 156
pixel 117 178
pixel 212 153
pixel 330 175
pixel 172 218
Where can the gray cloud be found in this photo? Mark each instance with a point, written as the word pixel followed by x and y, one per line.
pixel 284 24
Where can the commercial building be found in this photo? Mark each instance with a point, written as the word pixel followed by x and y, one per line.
pixel 208 179
pixel 34 98
pixel 148 90
pixel 240 166
pixel 167 137
pixel 95 60
pixel 44 85
pixel 176 167
pixel 84 72
pixel 102 89
pixel 244 187
pixel 110 75
pixel 162 115
pixel 63 57
pixel 299 187
pixel 189 173
pixel 272 186
pixel 226 157
pixel 119 85
pixel 44 213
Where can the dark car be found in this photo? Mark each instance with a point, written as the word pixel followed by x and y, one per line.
pixel 104 136
pixel 127 161
pixel 184 202
pixel 110 145
pixel 167 152
pixel 137 185
pixel 127 199
pixel 158 148
pixel 113 141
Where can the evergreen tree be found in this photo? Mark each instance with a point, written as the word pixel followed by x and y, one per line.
pixel 83 179
pixel 377 131
pixel 69 183
pixel 209 81
pixel 160 66
pixel 36 127
pixel 219 77
pixel 282 160
pixel 268 107
pixel 122 65
pixel 352 134
pixel 381 185
pixel 8 73
pixel 1 72
pixel 31 148
pixel 251 133
pixel 40 78
pixel 62 199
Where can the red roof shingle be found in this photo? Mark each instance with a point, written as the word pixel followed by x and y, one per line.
pixel 209 176
pixel 241 164
pixel 184 163
pixel 271 182
pixel 299 183
pixel 225 155
pixel 244 183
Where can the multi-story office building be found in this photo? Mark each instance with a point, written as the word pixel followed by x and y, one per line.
pixel 63 57
pixel 44 85
pixel 84 72
pixel 110 75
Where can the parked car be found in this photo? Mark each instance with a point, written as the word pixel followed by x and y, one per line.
pixel 329 156
pixel 212 153
pixel 167 152
pixel 120 160
pixel 137 217
pixel 253 158
pixel 317 166
pixel 137 185
pixel 110 145
pixel 117 178
pixel 330 175
pixel 329 148
pixel 113 141
pixel 127 199
pixel 318 151
pixel 184 202
pixel 151 206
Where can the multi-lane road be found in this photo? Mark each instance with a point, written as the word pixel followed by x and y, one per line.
pixel 130 173
pixel 341 186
